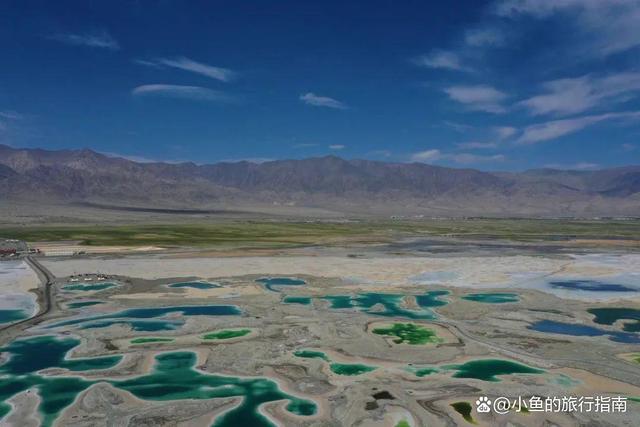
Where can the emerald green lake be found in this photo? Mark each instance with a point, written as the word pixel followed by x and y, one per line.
pixel 226 334
pixel 608 316
pixel 297 300
pixel 195 285
pixel 390 303
pixel 423 372
pixel 88 287
pixel 489 369
pixel 173 378
pixel 310 354
pixel 493 297
pixel 350 369
pixel 81 304
pixel 132 317
pixel 464 409
pixel 28 356
pixel 12 315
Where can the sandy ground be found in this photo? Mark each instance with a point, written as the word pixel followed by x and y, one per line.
pixel 479 272
pixel 16 281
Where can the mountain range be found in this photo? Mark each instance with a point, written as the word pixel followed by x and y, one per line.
pixel 358 187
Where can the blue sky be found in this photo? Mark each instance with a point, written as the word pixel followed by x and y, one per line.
pixel 497 85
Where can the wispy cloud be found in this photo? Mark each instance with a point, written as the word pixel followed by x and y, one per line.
pixel 11 115
pixel 133 158
pixel 573 166
pixel 575 95
pixel 604 27
pixel 469 159
pixel 441 59
pixel 426 156
pixel 337 147
pixel 99 39
pixel 186 64
pixel 477 144
pixel 557 128
pixel 179 91
pixel 484 37
pixel 504 132
pixel 310 98
pixel 380 153
pixel 304 145
pixel 458 127
pixel 248 159
pixel 628 147
pixel 479 98
pixel 435 155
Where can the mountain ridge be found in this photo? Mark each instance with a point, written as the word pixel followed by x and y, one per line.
pixel 350 186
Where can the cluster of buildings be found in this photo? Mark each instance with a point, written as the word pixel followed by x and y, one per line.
pixel 12 248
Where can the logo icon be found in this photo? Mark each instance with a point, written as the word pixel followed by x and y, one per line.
pixel 483 404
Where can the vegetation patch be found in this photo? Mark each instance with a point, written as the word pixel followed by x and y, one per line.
pixel 409 333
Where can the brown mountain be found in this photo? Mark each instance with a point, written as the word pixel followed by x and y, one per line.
pixel 351 186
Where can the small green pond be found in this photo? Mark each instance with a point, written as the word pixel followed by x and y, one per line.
pixel 492 297
pixel 195 285
pixel 226 334
pixel 311 354
pixel 297 300
pixel 609 316
pixel 12 315
pixel 350 369
pixel 490 369
pixel 464 409
pixel 81 304
pixel 85 287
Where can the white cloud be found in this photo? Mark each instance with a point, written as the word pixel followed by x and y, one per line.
pixel 628 147
pixel 186 64
pixel 434 155
pixel 310 98
pixel 458 127
pixel 441 59
pixel 248 159
pixel 575 95
pixel 179 91
pixel 100 39
pixel 133 158
pixel 505 132
pixel 337 147
pixel 480 97
pixel 477 144
pixel 484 37
pixel 557 128
pixel 467 158
pixel 426 156
pixel 575 166
pixel 11 115
pixel 380 153
pixel 304 145
pixel 604 26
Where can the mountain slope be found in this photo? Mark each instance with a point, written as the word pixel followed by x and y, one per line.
pixel 355 186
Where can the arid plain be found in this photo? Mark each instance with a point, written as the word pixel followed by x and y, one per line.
pixel 402 328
